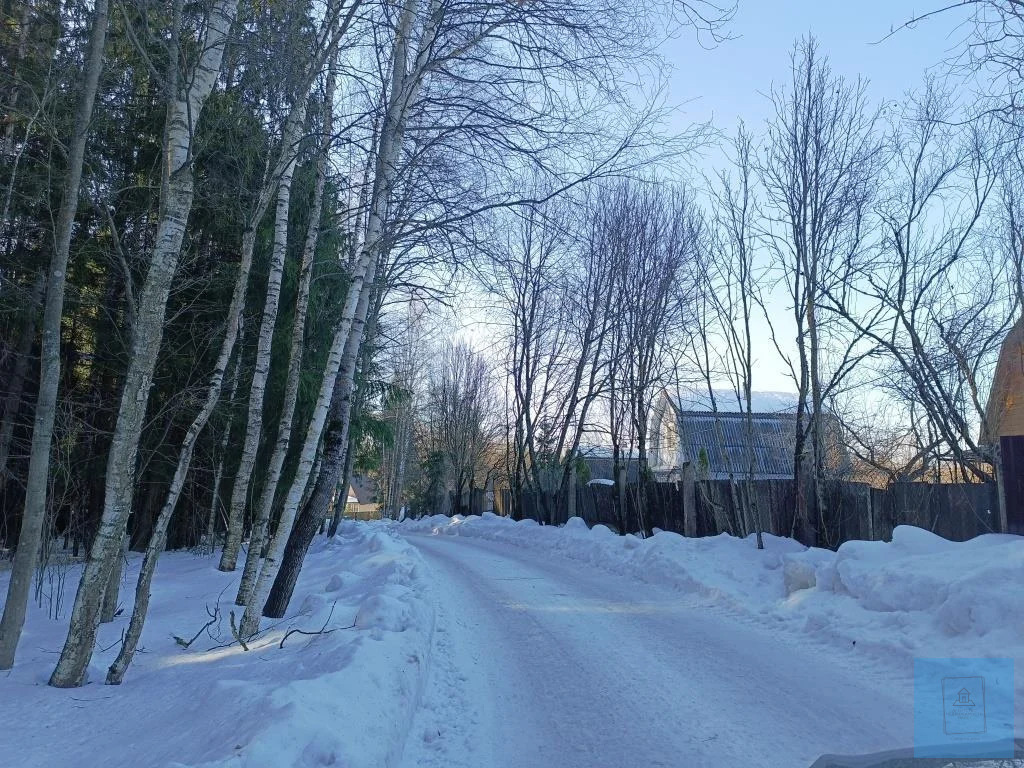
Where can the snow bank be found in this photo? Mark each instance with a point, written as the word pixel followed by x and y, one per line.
pixel 918 595
pixel 345 697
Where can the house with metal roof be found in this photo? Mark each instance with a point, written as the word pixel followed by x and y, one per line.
pixel 718 444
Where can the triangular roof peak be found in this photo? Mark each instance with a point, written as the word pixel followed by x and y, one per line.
pixel 726 401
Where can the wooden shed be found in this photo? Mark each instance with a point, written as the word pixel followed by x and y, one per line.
pixel 1004 426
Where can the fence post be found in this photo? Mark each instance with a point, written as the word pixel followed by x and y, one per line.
pixel 621 477
pixel 871 514
pixel 689 502
pixel 1004 523
pixel 571 501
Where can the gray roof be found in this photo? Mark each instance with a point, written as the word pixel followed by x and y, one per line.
pixel 722 437
pixel 602 467
pixel 365 488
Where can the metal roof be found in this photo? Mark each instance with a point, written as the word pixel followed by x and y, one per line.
pixel 718 441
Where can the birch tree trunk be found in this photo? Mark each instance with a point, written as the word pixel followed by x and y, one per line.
pixel 258 386
pixel 29 537
pixel 334 27
pixel 158 539
pixel 336 456
pixel 291 392
pixel 336 391
pixel 176 203
pixel 402 90
pixel 108 608
pixel 211 521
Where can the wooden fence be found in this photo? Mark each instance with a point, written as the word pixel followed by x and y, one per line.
pixel 852 511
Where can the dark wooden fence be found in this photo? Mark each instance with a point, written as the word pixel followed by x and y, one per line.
pixel 852 510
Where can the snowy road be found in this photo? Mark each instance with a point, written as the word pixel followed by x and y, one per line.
pixel 540 663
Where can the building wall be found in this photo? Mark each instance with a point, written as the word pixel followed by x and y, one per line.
pixel 1005 413
pixel 362 511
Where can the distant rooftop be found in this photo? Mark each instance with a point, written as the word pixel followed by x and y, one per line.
pixel 719 443
pixel 726 400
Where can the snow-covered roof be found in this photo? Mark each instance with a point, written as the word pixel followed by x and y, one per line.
pixel 726 400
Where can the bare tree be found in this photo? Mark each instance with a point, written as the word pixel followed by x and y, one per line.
pixel 284 430
pixel 649 232
pixel 482 88
pixel 461 410
pixel 402 405
pixel 938 298
pixel 411 52
pixel 820 158
pixel 735 284
pixel 556 295
pixel 338 17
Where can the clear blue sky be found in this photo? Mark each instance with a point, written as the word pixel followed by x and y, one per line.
pixel 729 81
pixel 732 80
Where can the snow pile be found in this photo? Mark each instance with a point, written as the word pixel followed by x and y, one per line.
pixel 344 697
pixel 918 595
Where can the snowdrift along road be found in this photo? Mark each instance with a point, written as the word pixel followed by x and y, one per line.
pixel 691 652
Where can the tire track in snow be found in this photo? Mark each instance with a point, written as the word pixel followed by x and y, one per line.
pixel 549 663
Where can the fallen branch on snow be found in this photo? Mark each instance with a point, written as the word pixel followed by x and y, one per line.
pixel 322 631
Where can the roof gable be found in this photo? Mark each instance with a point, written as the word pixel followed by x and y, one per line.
pixel 1005 409
pixel 717 442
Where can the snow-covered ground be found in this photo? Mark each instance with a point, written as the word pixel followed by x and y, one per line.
pixel 485 643
pixel 706 648
pixel 344 698
pixel 918 595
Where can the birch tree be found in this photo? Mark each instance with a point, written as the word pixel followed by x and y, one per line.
pixel 409 57
pixel 187 95
pixel 291 392
pixel 475 60
pixel 338 19
pixel 30 537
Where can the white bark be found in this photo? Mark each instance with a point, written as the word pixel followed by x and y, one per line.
pixel 108 608
pixel 158 538
pixel 291 393
pixel 184 109
pixel 332 30
pixel 402 92
pixel 258 387
pixel 343 358
pixel 30 536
